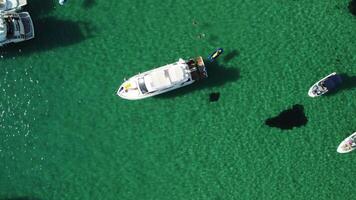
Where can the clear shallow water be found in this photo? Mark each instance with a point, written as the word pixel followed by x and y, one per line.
pixel 65 135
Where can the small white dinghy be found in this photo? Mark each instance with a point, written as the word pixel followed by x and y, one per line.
pixel 163 79
pixel 328 83
pixel 7 5
pixel 348 145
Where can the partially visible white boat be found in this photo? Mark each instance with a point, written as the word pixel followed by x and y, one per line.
pixel 7 5
pixel 62 2
pixel 15 27
pixel 348 145
pixel 163 79
pixel 326 84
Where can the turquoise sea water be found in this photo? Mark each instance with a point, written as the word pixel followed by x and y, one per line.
pixel 65 135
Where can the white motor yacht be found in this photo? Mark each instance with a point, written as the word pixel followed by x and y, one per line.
pixel 163 79
pixel 7 5
pixel 15 27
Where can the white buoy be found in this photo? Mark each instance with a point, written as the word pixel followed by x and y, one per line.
pixel 62 2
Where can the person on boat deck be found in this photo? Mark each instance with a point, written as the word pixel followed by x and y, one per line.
pixel 323 86
pixel 351 143
pixel 190 62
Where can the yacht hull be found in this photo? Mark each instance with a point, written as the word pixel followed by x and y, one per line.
pixel 163 79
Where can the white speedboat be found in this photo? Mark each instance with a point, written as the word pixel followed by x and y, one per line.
pixel 163 79
pixel 7 5
pixel 15 27
pixel 348 145
pixel 328 83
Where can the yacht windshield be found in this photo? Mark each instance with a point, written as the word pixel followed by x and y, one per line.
pixel 142 85
pixel 10 23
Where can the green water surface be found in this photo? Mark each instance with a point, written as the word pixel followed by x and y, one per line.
pixel 65 135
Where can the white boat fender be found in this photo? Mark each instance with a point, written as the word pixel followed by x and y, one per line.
pixel 62 2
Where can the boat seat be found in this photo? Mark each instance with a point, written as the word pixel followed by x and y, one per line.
pixel 176 74
pixel 157 80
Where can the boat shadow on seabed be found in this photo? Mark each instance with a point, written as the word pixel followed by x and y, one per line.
pixel 218 75
pixel 50 32
pixel 348 83
pixel 88 3
pixel 19 198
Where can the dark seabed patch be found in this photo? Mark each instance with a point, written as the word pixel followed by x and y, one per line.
pixel 288 119
pixel 214 96
pixel 88 3
pixel 352 7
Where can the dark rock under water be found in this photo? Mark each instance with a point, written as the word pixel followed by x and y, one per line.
pixel 288 119
pixel 214 96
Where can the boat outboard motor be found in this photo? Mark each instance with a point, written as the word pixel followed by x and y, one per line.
pixel 62 2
